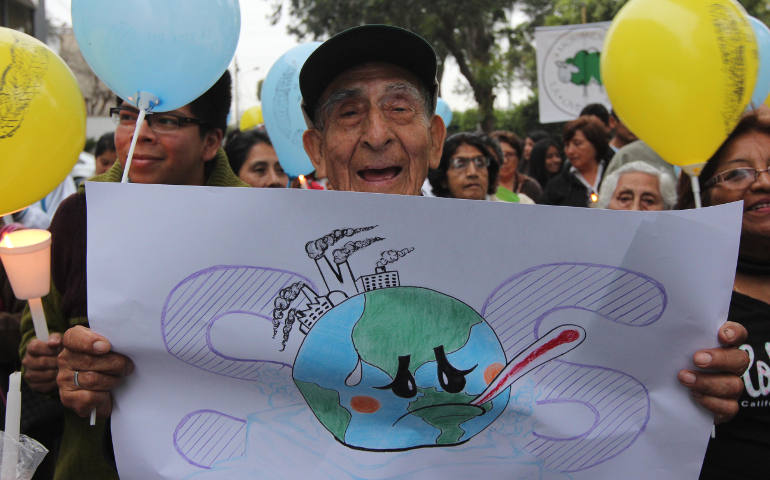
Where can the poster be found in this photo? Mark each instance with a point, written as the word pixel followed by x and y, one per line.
pixel 336 335
pixel 568 76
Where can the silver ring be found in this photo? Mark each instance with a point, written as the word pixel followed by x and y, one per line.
pixel 75 379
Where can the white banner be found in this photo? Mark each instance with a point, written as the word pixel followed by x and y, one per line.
pixel 289 334
pixel 568 76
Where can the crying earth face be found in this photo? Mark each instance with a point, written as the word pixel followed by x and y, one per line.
pixel 399 368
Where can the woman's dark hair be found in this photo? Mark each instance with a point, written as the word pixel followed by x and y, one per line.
pixel 493 146
pixel 597 110
pixel 537 160
pixel 437 177
pixel 238 145
pixel 594 131
pixel 536 135
pixel 106 143
pixel 510 138
pixel 213 106
pixel 752 121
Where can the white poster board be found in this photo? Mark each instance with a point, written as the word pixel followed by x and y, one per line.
pixel 568 76
pixel 331 335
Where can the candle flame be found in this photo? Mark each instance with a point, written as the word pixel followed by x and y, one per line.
pixel 594 197
pixel 25 238
pixel 302 181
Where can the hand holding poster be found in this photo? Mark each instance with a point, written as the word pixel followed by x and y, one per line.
pixel 337 335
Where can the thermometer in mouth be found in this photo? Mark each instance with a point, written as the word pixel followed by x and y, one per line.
pixel 553 344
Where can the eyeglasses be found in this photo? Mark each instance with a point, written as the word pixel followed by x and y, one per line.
pixel 737 178
pixel 461 163
pixel 158 122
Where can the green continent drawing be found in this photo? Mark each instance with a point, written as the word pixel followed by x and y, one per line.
pixel 450 417
pixel 329 412
pixel 418 320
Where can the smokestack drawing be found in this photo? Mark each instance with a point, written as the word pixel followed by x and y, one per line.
pixel 317 248
pixel 390 256
pixel 283 301
pixel 338 276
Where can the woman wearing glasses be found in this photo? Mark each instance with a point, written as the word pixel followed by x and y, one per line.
pixel 586 148
pixel 740 171
pixel 467 169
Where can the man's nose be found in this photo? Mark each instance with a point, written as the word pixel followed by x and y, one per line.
pixel 145 132
pixel 378 133
pixel 762 182
pixel 275 180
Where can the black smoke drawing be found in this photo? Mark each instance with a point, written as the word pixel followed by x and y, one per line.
pixel 341 255
pixel 281 303
pixel 317 248
pixel 390 256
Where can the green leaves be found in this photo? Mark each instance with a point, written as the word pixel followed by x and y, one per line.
pixel 490 50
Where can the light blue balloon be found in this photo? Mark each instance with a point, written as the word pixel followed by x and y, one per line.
pixel 762 89
pixel 443 111
pixel 172 49
pixel 282 110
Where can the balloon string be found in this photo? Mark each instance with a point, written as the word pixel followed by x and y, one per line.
pixel 695 190
pixel 139 122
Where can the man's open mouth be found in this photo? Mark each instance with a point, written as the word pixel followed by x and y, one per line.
pixel 379 174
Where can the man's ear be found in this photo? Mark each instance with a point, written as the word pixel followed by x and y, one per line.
pixel 212 142
pixel 312 140
pixel 438 135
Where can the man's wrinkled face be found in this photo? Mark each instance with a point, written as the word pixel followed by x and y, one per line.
pixel 375 134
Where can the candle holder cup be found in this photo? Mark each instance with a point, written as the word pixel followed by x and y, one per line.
pixel 26 256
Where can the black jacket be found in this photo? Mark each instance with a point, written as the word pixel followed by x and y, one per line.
pixel 565 189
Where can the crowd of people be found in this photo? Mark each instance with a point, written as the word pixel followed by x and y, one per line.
pixel 369 95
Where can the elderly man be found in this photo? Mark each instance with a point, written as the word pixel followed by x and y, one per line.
pixel 369 96
pixel 181 147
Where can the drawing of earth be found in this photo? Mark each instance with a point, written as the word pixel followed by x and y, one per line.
pixel 396 368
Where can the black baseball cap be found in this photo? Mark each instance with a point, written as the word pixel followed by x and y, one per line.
pixel 363 44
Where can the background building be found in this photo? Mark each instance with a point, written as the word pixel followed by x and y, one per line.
pixel 27 16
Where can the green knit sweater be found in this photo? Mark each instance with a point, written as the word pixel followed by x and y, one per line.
pixel 86 452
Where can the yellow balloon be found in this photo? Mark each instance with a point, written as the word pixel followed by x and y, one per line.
pixel 42 120
pixel 251 118
pixel 679 73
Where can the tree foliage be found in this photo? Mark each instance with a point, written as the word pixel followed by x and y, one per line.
pixel 490 52
pixel 469 31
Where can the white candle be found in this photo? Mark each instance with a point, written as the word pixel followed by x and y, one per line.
pixel 12 425
pixel 38 319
